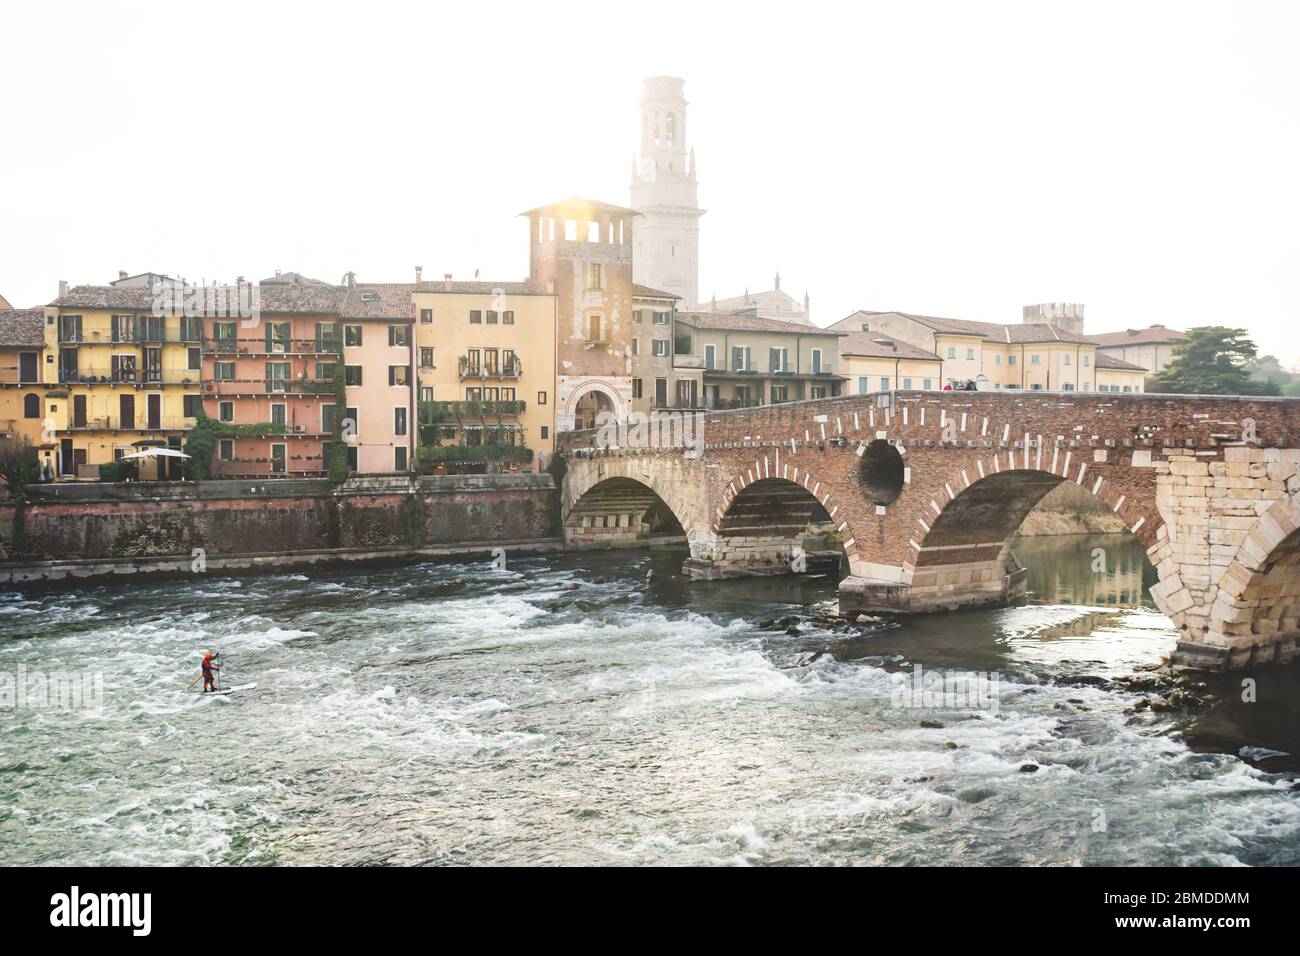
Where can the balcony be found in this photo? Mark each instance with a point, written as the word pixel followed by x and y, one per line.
pixel 140 423
pixel 148 376
pixel 136 337
pixel 268 386
pixel 510 368
pixel 324 345
pixel 313 427
pixel 824 371
pixel 437 413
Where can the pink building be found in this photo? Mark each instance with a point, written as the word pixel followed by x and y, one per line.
pixel 377 322
pixel 269 381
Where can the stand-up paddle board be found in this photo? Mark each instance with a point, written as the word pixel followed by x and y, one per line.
pixel 232 690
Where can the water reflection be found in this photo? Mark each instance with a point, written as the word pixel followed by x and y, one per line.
pixel 1095 569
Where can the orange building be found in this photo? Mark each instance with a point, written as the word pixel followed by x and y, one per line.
pixel 269 381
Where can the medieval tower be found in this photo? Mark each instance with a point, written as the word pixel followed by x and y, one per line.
pixel 667 253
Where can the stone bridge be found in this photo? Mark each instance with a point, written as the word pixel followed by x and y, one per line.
pixel 924 491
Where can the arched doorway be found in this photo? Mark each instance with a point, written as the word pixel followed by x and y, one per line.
pixel 589 408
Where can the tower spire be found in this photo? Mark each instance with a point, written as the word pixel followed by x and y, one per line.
pixel 666 254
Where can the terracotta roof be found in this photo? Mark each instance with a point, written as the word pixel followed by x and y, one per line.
pixel 645 292
pixel 106 297
pixel 1150 335
pixel 308 299
pixel 877 345
pixel 1109 361
pixel 1008 334
pixel 4 303
pixel 933 322
pixel 527 287
pixel 576 206
pixel 292 278
pixel 22 327
pixel 747 322
pixel 379 300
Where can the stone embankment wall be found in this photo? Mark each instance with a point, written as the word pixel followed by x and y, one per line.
pixel 123 525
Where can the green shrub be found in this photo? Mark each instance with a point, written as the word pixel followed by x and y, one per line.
pixel 114 471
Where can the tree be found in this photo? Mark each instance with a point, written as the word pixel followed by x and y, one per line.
pixel 1213 360
pixel 19 467
pixel 19 464
pixel 1268 369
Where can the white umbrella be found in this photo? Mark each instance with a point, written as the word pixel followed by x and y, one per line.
pixel 155 452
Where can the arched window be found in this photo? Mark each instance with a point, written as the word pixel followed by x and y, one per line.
pixel 32 406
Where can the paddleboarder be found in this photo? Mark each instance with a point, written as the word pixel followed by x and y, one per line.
pixel 210 667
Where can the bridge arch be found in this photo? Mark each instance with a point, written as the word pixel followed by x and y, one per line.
pixel 771 526
pixel 771 512
pixel 962 549
pixel 627 500
pixel 1256 614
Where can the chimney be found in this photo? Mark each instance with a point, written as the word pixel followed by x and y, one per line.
pixel 121 273
pixel 419 273
pixel 63 288
pixel 446 281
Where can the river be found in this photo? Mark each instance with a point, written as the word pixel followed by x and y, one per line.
pixel 459 713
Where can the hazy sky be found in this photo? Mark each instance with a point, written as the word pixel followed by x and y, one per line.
pixel 957 159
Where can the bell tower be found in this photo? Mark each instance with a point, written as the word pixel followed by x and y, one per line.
pixel 666 254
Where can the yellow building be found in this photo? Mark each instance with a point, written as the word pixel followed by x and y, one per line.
pixel 989 355
pixel 875 362
pixel 1117 375
pixel 486 374
pixel 746 360
pixel 118 376
pixel 22 396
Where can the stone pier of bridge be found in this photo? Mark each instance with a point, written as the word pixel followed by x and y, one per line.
pixel 923 493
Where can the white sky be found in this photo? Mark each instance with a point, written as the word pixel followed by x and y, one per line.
pixel 959 159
